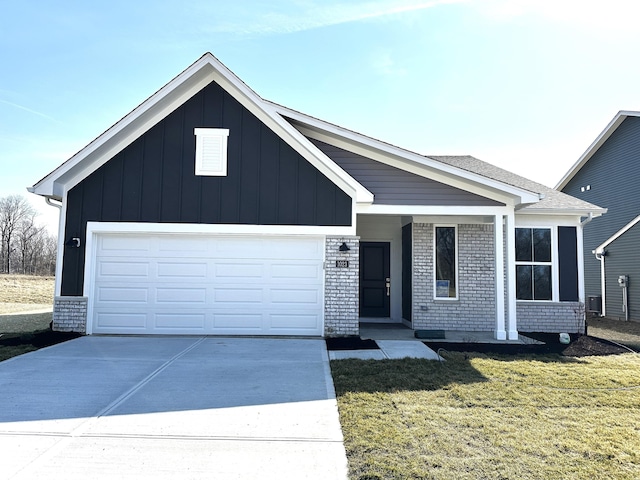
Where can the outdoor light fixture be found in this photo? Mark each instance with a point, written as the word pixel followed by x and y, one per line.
pixel 344 247
pixel 73 242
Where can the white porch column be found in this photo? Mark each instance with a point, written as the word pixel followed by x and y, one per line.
pixel 512 327
pixel 500 331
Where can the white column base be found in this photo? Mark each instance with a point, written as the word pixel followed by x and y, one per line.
pixel 513 335
pixel 501 334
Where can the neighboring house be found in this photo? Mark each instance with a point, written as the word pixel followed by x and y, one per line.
pixel 608 174
pixel 209 210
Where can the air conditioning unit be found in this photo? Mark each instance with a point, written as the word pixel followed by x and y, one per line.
pixel 594 303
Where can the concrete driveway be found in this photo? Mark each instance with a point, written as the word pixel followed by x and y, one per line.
pixel 171 407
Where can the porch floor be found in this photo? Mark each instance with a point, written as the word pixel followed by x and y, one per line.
pixel 399 331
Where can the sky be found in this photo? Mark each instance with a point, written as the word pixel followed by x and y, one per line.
pixel 524 84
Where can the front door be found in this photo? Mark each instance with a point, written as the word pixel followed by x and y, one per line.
pixel 374 279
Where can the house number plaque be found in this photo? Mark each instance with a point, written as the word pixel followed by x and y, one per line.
pixel 342 263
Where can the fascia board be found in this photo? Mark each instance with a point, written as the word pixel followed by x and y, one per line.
pixel 430 210
pixel 597 143
pixel 406 160
pixel 617 235
pixel 555 211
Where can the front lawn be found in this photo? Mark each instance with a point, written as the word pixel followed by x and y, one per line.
pixel 490 416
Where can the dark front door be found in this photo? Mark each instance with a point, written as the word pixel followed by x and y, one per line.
pixel 374 279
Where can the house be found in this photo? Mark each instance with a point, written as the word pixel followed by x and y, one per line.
pixel 209 210
pixel 608 174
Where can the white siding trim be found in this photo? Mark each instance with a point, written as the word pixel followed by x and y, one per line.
pixel 498 235
pixel 231 229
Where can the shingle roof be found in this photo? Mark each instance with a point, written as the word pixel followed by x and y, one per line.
pixel 553 199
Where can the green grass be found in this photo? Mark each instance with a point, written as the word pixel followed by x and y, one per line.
pixel 478 416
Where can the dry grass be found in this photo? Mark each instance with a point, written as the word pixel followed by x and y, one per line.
pixel 478 416
pixel 25 293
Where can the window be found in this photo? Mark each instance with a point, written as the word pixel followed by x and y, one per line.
pixel 446 262
pixel 533 264
pixel 211 151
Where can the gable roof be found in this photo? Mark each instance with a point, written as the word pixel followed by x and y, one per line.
pixel 297 130
pixel 620 117
pixel 202 72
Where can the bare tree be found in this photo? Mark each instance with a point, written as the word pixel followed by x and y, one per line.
pixel 17 232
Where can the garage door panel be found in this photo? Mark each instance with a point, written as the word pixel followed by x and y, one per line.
pixel 180 321
pixel 122 295
pixel 296 272
pixel 237 321
pixel 224 270
pixel 124 245
pixel 169 270
pixel 121 321
pixel 295 297
pixel 293 322
pixel 197 296
pixel 179 246
pixel 110 268
pixel 208 284
pixel 239 295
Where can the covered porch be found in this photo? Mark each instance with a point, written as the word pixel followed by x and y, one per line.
pixel 402 284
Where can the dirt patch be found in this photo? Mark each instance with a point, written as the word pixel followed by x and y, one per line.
pixel 580 346
pixel 26 289
pixel 350 343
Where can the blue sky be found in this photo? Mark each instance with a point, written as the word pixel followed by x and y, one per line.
pixel 524 84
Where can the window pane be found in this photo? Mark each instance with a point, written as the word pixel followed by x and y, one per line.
pixel 523 245
pixel 524 286
pixel 542 282
pixel 541 245
pixel 446 262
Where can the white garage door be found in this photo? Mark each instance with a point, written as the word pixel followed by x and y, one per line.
pixel 207 284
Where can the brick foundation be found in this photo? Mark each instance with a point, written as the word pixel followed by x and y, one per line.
pixel 70 314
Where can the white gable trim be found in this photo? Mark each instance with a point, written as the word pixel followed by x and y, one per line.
pixel 615 236
pixel 406 160
pixel 620 117
pixel 166 100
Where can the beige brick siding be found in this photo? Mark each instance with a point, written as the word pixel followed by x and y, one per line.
pixel 550 317
pixel 474 310
pixel 70 314
pixel 341 290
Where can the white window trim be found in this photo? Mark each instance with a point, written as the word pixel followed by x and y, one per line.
pixel 457 270
pixel 203 133
pixel 555 275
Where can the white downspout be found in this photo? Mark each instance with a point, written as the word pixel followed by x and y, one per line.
pixel 603 291
pixel 58 278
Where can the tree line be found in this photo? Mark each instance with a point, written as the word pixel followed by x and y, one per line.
pixel 25 246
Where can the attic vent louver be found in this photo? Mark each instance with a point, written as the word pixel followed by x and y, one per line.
pixel 211 151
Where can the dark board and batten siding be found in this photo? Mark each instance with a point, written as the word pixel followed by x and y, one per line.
pixel 613 176
pixel 153 180
pixel 392 186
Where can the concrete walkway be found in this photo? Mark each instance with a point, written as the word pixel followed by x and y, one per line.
pixel 392 349
pixel 171 407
